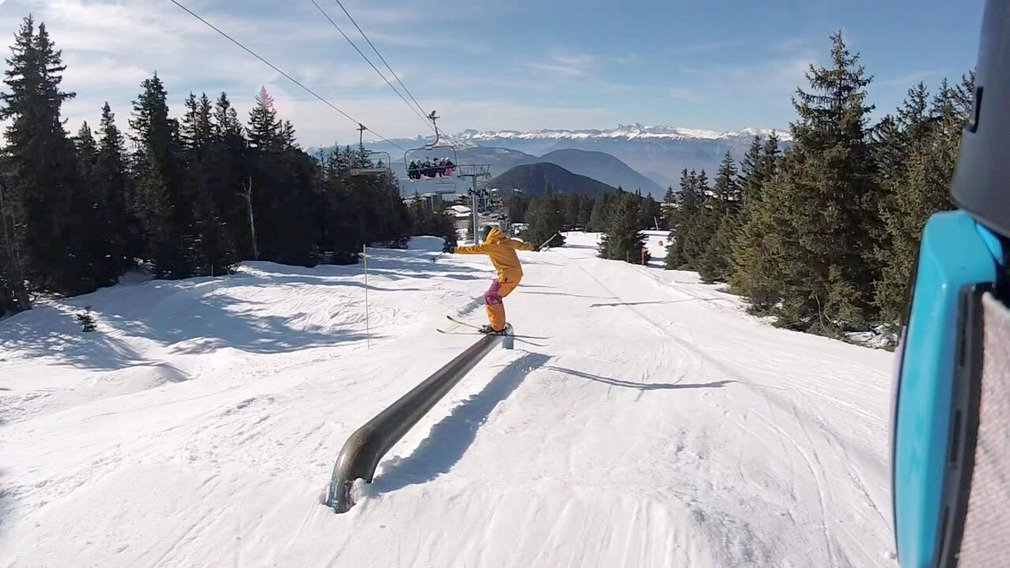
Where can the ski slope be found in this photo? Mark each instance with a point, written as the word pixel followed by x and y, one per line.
pixel 660 426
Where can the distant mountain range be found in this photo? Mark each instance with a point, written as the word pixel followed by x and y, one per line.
pixel 602 167
pixel 532 179
pixel 630 156
pixel 596 165
pixel 658 152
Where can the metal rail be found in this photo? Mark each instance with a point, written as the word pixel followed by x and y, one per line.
pixel 367 445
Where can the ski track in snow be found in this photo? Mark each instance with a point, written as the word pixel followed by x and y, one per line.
pixel 660 426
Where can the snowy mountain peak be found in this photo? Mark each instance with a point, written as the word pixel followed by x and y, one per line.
pixel 623 131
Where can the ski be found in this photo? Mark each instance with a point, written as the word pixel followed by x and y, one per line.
pixel 454 319
pixel 521 338
pixel 472 326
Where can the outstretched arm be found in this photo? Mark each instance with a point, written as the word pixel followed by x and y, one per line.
pixel 520 245
pixel 472 249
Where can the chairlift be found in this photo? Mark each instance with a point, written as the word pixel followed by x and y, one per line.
pixel 382 167
pixel 426 170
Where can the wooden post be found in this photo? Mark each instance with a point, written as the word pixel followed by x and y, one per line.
pixel 368 333
pixel 252 220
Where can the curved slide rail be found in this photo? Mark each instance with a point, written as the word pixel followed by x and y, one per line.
pixel 366 446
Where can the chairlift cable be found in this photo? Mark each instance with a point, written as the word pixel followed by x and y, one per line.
pixel 289 77
pixel 363 56
pixel 362 32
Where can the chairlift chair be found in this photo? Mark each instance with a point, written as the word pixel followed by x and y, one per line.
pixel 380 169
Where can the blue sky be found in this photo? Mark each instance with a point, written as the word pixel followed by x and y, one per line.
pixel 489 64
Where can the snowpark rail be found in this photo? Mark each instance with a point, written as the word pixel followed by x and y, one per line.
pixel 368 444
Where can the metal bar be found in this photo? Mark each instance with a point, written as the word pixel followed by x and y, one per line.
pixel 367 445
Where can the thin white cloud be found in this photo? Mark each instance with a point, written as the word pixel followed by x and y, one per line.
pixel 565 65
pixel 687 95
pixel 908 80
pixel 710 46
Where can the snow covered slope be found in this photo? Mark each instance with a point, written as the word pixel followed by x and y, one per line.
pixel 660 427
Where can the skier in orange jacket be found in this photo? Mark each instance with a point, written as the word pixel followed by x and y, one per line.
pixel 502 251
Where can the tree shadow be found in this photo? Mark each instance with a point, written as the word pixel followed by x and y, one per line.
pixel 567 294
pixel 5 504
pixel 176 314
pixel 448 441
pixel 616 304
pixel 639 386
pixel 655 302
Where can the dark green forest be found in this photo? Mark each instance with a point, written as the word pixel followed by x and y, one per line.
pixel 181 197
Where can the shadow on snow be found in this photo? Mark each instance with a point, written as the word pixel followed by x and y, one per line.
pixel 449 440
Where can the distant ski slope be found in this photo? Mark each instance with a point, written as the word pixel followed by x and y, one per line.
pixel 661 427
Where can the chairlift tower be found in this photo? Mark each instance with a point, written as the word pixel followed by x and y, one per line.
pixel 383 167
pixel 475 172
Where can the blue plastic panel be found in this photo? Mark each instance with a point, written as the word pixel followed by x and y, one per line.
pixel 953 254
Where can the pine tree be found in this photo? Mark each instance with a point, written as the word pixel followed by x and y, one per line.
pixel 545 217
pixel 683 215
pixel 227 158
pixel 163 204
pixel 47 200
pixel 14 295
pixel 650 212
pixel 214 249
pixel 571 203
pixel 624 239
pixel 723 222
pixel 602 213
pixel 339 234
pixel 101 230
pixel 694 225
pixel 288 139
pixel 917 150
pixel 750 172
pixel 265 131
pixel 827 194
pixel 225 122
pixel 517 206
pixel 122 230
pixel 197 130
pixel 667 209
pixel 754 273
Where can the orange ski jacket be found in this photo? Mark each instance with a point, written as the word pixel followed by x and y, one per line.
pixel 502 251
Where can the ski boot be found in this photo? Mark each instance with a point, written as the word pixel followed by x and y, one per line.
pixel 488 330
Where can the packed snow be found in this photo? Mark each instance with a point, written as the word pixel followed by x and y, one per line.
pixel 660 425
